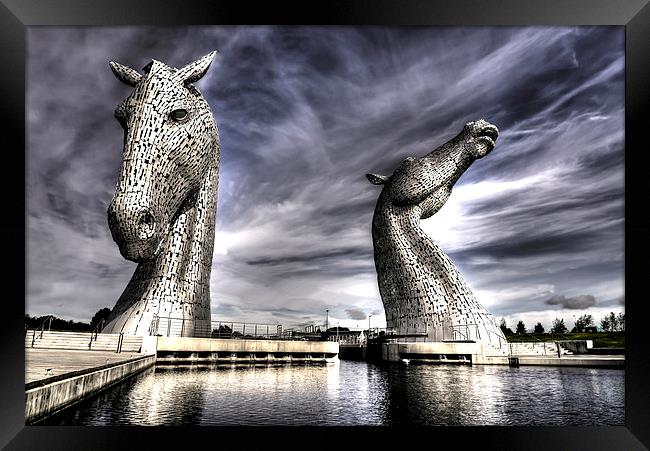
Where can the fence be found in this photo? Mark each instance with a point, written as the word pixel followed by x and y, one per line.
pixel 359 336
pixel 184 327
pixel 459 332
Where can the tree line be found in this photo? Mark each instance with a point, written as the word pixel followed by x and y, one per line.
pixel 585 323
pixel 33 322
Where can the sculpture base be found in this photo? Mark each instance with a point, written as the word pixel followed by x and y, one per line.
pixel 445 352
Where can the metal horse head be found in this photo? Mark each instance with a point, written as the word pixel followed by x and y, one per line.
pixel 170 141
pixel 421 289
pixel 426 183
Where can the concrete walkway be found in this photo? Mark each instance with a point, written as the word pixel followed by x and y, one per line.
pixel 37 361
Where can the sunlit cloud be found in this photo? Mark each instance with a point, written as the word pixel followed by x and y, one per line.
pixel 303 114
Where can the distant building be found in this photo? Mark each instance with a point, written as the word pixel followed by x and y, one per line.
pixel 346 336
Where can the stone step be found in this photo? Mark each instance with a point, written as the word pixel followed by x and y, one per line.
pixel 83 345
pixel 81 340
pixel 94 348
pixel 78 335
pixel 73 333
pixel 84 340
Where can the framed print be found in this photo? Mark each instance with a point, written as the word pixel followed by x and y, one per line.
pixel 318 169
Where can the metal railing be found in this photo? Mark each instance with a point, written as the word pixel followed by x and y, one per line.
pixel 348 338
pixel 48 320
pixel 457 330
pixel 98 327
pixel 502 341
pixel 356 336
pixel 184 327
pixel 532 345
pixel 120 341
pixel 389 334
pixel 469 331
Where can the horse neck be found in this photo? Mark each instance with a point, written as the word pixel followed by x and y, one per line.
pixel 408 261
pixel 186 255
pixel 399 240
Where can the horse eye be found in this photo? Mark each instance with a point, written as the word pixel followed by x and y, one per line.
pixel 179 115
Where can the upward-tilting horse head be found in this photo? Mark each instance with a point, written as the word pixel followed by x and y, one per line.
pixel 421 289
pixel 425 183
pixel 170 142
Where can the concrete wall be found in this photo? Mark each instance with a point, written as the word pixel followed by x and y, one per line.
pixel 46 400
pixel 586 361
pixel 577 346
pixel 149 345
pixel 396 351
pixel 186 344
pixel 540 348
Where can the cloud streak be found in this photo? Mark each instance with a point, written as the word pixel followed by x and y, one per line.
pixel 579 302
pixel 303 114
pixel 356 314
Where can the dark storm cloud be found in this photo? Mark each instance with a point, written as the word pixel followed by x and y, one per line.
pixel 349 253
pixel 574 303
pixel 356 314
pixel 303 114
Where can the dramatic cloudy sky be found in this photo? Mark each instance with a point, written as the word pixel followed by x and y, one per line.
pixel 537 227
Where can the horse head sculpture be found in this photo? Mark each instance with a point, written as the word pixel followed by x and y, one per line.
pixel 170 140
pixel 423 292
pixel 163 212
pixel 426 183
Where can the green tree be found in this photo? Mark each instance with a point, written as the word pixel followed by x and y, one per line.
pixel 504 327
pixel 558 326
pixel 539 329
pixel 613 320
pixel 621 322
pixel 610 323
pixel 583 322
pixel 521 328
pixel 222 332
pixel 605 325
pixel 56 323
pixel 101 314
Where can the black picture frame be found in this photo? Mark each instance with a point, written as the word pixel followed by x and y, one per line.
pixel 16 15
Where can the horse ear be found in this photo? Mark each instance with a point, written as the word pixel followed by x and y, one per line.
pixel 125 74
pixel 377 179
pixel 196 70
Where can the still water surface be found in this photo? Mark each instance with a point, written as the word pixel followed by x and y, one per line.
pixel 357 393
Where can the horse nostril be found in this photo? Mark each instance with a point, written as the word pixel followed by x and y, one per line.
pixel 146 218
pixel 147 225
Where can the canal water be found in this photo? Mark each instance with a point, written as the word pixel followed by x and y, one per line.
pixel 357 393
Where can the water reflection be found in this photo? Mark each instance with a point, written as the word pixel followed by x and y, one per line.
pixel 355 393
pixel 494 395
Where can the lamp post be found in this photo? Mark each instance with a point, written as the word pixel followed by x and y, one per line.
pixel 327 319
pixel 369 316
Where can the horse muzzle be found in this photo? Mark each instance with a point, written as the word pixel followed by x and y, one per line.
pixel 480 137
pixel 134 228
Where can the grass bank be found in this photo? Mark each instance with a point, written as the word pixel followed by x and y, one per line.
pixel 600 339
